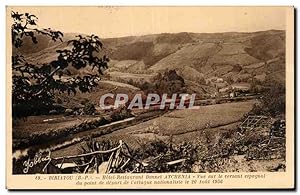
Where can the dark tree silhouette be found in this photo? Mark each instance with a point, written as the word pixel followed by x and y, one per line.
pixel 34 85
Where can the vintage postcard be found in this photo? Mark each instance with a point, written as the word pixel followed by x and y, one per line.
pixel 110 97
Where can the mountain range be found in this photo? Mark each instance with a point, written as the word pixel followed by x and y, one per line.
pixel 206 61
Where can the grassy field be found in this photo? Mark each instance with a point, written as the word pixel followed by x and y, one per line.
pixel 183 121
pixel 22 128
pixel 212 127
pixel 182 125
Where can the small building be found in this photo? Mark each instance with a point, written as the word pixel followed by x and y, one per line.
pixel 232 95
pixel 241 87
pixel 219 80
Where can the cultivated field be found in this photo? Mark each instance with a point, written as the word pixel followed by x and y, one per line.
pixel 188 120
pixel 182 125
pixel 23 128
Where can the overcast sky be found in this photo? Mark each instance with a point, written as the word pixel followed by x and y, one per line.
pixel 127 21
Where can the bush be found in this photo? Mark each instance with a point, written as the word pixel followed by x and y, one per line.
pixel 273 100
pixel 120 114
pixel 89 108
pixel 160 152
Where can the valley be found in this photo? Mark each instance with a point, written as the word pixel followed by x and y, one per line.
pixel 229 72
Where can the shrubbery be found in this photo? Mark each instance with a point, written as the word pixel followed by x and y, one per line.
pixel 169 82
pixel 272 102
pixel 89 108
pixel 120 114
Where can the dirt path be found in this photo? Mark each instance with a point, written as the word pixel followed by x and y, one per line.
pixel 118 84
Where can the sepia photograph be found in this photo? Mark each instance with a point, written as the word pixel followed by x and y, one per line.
pixel 149 90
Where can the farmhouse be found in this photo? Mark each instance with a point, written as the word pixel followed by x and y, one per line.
pixel 241 87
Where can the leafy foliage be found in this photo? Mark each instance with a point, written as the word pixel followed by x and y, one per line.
pixel 169 82
pixel 89 108
pixel 120 113
pixel 273 100
pixel 23 25
pixel 34 84
pixel 158 153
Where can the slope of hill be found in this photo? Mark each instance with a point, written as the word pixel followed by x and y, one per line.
pixel 197 57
